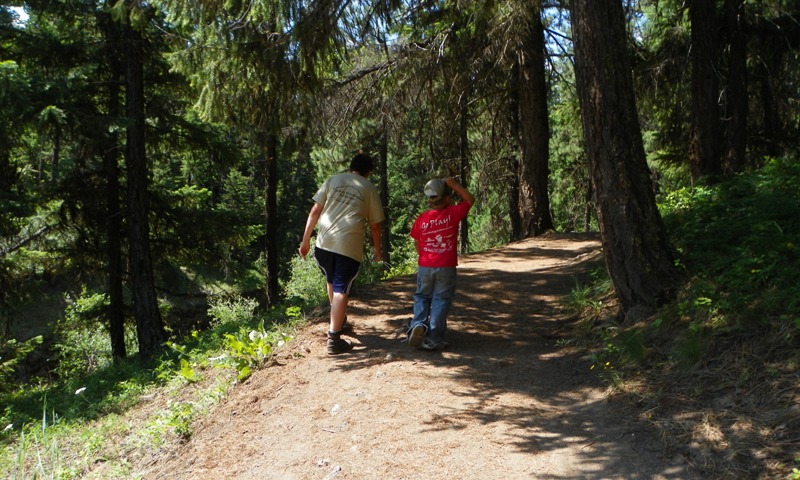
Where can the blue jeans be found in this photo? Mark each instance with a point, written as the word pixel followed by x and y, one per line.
pixel 432 300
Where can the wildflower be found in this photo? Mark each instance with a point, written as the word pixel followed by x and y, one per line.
pixel 80 390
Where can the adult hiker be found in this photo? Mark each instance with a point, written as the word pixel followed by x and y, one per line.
pixel 342 206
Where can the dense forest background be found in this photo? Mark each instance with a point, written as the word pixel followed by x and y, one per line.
pixel 157 159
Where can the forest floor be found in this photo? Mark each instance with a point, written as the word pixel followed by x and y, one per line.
pixel 510 398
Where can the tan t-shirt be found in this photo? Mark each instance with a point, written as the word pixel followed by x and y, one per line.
pixel 348 201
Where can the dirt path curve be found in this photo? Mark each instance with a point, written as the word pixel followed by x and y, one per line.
pixel 506 400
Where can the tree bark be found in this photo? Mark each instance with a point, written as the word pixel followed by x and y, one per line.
pixel 638 255
pixel 515 219
pixel 736 93
pixel 776 41
pixel 534 134
pixel 383 167
pixel 771 124
pixel 271 219
pixel 8 173
pixel 513 201
pixel 149 327
pixel 116 317
pixel 465 93
pixel 704 153
pixel 54 158
pixel 463 155
pixel 113 225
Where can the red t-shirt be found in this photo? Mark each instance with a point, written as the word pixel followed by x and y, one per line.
pixel 436 235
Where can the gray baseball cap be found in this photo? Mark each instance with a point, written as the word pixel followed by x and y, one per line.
pixel 435 188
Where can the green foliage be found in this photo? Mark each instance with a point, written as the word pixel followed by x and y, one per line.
pixel 404 259
pixel 795 475
pixel 238 335
pixel 585 300
pixel 740 238
pixel 179 418
pixel 488 227
pixel 80 349
pixel 738 242
pixel 369 272
pixel 251 349
pixel 228 311
pixel 689 348
pixel 49 463
pixel 306 285
pixel 42 425
pixel 11 354
pixel 239 341
pixel 569 170
pixel 582 301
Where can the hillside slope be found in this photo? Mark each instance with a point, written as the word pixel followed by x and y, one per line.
pixel 507 399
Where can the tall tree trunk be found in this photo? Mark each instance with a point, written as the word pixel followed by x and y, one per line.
pixel 149 327
pixel 513 200
pixel 515 219
pixel 116 317
pixel 771 128
pixel 587 212
pixel 463 153
pixel 704 153
pixel 639 258
pixel 736 93
pixel 383 167
pixel 54 158
pixel 534 134
pixel 271 218
pixel 8 174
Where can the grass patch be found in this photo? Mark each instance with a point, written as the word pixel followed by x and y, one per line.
pixel 93 424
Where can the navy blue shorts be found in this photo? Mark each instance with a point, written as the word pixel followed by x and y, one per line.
pixel 339 270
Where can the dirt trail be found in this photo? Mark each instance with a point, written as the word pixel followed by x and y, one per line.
pixel 506 400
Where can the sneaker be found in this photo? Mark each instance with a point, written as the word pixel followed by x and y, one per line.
pixel 337 345
pixel 429 344
pixel 416 336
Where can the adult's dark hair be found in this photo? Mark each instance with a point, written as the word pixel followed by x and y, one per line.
pixel 362 163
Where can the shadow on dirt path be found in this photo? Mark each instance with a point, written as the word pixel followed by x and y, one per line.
pixel 510 398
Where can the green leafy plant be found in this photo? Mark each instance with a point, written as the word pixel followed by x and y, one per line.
pixel 795 475
pixel 180 418
pixel 251 349
pixel 188 372
pixel 188 359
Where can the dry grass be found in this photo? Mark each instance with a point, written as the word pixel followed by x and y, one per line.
pixel 734 415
